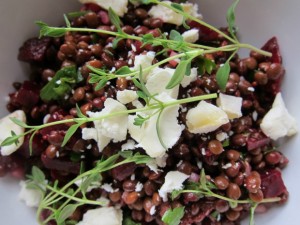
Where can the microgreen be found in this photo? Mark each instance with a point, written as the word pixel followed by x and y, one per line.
pixel 222 75
pixel 173 216
pixel 231 18
pixel 114 19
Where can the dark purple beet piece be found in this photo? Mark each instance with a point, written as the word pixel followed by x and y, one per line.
pixel 38 146
pixel 28 95
pixel 272 184
pixel 257 140
pixel 273 47
pixel 120 173
pixel 60 165
pixel 34 50
pixel 205 33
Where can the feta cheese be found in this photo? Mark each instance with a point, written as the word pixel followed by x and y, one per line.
pixel 173 181
pixel 102 216
pixel 146 135
pixel 92 186
pixel 129 145
pixel 188 79
pixel 157 81
pixel 144 61
pixel 152 210
pixel 231 105
pixel 191 36
pixel 278 122
pixel 139 186
pixel 126 96
pixel 105 130
pixel 169 16
pixel 119 6
pixel 31 197
pixel 7 126
pixel 221 136
pixel 205 117
pixel 108 188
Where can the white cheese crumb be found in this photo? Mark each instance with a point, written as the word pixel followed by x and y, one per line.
pixel 254 115
pixel 126 96
pixel 146 135
pixel 31 197
pixel 221 136
pixel 205 117
pixel 191 36
pixel 102 216
pixel 251 89
pixel 144 61
pixel 129 145
pixel 46 118
pixel 158 79
pixel 132 177
pixel 231 105
pixel 169 16
pixel 278 122
pixel 139 186
pixel 152 210
pixel 8 126
pixel 137 104
pixel 119 6
pixel 173 181
pixel 108 188
pixel 92 186
pixel 226 166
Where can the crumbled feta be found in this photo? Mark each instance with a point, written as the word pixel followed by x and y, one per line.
pixel 188 79
pixel 119 6
pixel 146 135
pixel 108 188
pixel 126 96
pixel 158 79
pixel 173 181
pixel 232 105
pixel 152 210
pixel 7 127
pixel 137 104
pixel 144 61
pixel 139 186
pixel 221 136
pixel 205 117
pixel 227 166
pixel 102 216
pixel 31 197
pixel 278 122
pixel 104 201
pixel 169 16
pixel 129 145
pixel 191 36
pixel 105 130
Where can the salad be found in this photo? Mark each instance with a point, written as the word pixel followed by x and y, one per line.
pixel 142 113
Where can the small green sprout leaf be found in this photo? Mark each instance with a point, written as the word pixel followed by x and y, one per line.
pixel 37 175
pixel 177 6
pixel 176 36
pixel 67 21
pixel 70 133
pixel 231 18
pixel 173 216
pixel 114 19
pixel 66 212
pixel 179 73
pixel 123 70
pixel 222 75
pixel 46 30
pixel 19 122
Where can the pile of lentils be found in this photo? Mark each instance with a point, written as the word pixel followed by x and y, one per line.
pixel 248 167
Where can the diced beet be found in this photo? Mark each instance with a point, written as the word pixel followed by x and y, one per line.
pixel 273 47
pixel 34 50
pixel 138 47
pixel 38 146
pixel 272 184
pixel 27 96
pixel 254 143
pixel 206 34
pixel 60 165
pixel 104 17
pixel 174 62
pixel 91 7
pixel 55 116
pixel 120 173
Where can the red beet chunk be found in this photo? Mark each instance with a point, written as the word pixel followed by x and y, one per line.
pixel 273 47
pixel 34 50
pixel 272 184
pixel 91 7
pixel 38 146
pixel 27 96
pixel 258 140
pixel 60 165
pixel 206 34
pixel 120 173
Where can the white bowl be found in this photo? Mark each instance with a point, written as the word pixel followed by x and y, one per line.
pixel 257 21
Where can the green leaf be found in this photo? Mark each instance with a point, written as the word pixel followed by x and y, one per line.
pixel 60 85
pixel 13 139
pixel 139 120
pixel 87 182
pixel 231 18
pixel 123 71
pixel 66 212
pixel 70 133
pixel 67 21
pixel 79 113
pixel 177 6
pixel 116 41
pixel 173 217
pixel 46 30
pixel 203 181
pixel 209 65
pixel 137 83
pixel 148 38
pixel 102 83
pixel 185 25
pixel 233 204
pixel 114 19
pixel 188 69
pixel 18 122
pixel 126 154
pixel 94 78
pixel 175 194
pixel 179 73
pixel 38 175
pixel 73 15
pixel 176 36
pixel 252 212
pixel 222 75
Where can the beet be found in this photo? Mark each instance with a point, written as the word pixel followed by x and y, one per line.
pixel 55 116
pixel 27 96
pixel 205 33
pixel 91 7
pixel 272 184
pixel 38 146
pixel 273 47
pixel 34 50
pixel 60 165
pixel 120 173
pixel 254 143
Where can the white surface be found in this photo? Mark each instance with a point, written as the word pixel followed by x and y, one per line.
pixel 258 21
